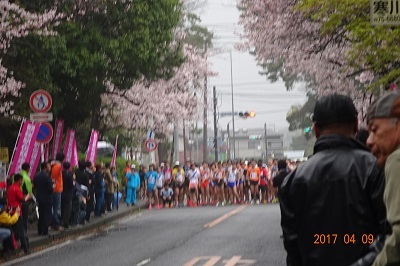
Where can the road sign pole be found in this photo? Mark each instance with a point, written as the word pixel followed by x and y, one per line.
pixel 42 152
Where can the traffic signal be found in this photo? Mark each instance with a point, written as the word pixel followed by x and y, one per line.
pixel 308 133
pixel 247 114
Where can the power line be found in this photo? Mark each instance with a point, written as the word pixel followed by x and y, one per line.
pixel 258 95
pixel 242 84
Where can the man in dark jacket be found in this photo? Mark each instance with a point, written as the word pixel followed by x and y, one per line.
pixel 278 179
pixel 66 195
pixel 89 171
pixel 332 205
pixel 80 174
pixel 99 188
pixel 44 192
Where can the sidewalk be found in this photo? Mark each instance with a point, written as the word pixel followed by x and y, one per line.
pixel 36 241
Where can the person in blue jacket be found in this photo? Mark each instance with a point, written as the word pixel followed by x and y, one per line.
pixel 150 180
pixel 133 182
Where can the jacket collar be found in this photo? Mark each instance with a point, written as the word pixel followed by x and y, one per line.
pixel 337 142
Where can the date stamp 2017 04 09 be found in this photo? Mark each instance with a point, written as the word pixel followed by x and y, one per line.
pixel 347 239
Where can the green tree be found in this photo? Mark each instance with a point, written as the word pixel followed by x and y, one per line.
pixel 299 117
pixel 300 142
pixel 120 46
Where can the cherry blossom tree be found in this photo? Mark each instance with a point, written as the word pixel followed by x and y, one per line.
pixel 279 31
pixel 16 22
pixel 158 104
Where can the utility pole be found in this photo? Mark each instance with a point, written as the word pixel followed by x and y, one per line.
pixel 176 143
pixel 205 138
pixel 266 142
pixel 229 143
pixel 215 124
pixel 233 112
pixel 184 143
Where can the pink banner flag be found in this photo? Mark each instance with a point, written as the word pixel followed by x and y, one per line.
pixel 74 161
pixel 92 149
pixel 46 152
pixel 35 158
pixel 58 132
pixel 69 145
pixel 24 147
pixel 114 158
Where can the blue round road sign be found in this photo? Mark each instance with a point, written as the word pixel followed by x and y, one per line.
pixel 45 133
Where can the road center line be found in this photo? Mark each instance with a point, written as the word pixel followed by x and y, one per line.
pixel 224 217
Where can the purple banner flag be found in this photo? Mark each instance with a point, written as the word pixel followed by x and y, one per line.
pixel 24 147
pixel 92 149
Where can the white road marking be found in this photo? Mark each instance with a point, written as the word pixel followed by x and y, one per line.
pixel 210 261
pixel 143 262
pixel 224 217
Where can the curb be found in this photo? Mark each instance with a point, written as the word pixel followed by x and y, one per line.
pixel 92 226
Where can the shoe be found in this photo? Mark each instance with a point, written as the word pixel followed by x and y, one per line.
pixel 150 207
pixel 216 205
pixel 27 252
pixel 158 207
pixel 252 202
pixel 257 202
pixel 223 204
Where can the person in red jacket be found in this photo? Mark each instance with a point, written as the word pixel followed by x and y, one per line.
pixel 15 199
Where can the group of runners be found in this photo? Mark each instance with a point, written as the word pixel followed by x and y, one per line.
pixel 215 184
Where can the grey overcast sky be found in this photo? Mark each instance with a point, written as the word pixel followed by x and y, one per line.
pixel 252 91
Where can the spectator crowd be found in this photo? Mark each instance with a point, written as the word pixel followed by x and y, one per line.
pixel 64 199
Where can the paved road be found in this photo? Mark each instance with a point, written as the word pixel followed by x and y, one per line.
pixel 234 235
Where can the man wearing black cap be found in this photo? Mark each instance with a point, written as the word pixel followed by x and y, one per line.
pixel 332 203
pixel 384 141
